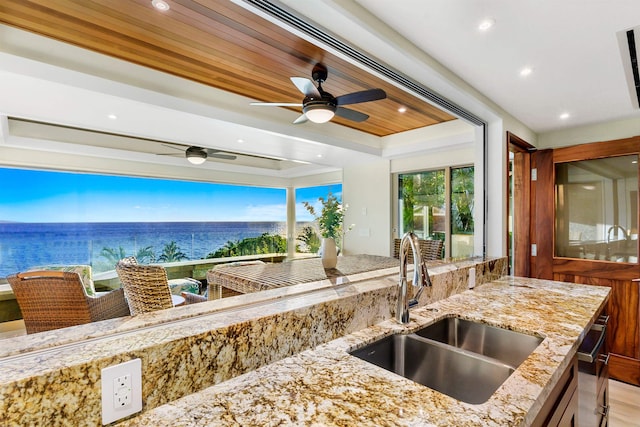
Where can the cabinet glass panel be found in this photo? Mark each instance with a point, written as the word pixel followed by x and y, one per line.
pixel 597 209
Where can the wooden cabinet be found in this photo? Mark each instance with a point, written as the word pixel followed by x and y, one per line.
pixel 581 397
pixel 561 408
pixel 623 338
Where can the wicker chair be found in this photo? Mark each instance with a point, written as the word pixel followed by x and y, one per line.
pixel 145 286
pixel 57 299
pixel 176 286
pixel 429 249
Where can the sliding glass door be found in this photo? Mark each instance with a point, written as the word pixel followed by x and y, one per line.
pixel 439 204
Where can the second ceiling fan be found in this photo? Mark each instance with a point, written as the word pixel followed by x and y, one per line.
pixel 198 155
pixel 319 106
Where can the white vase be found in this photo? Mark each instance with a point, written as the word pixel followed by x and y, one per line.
pixel 328 252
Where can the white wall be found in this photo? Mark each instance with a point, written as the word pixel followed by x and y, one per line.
pixel 593 133
pixel 496 241
pixel 316 180
pixel 366 189
pixel 436 160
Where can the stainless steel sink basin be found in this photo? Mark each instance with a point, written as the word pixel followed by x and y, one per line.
pixel 465 360
pixel 463 376
pixel 507 346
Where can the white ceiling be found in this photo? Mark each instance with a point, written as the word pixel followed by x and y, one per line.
pixel 571 46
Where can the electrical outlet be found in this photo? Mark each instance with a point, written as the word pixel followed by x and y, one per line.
pixel 121 390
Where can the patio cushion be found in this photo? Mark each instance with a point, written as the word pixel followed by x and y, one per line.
pixel 84 271
pixel 185 284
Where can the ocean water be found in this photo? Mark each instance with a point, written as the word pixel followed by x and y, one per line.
pixel 24 245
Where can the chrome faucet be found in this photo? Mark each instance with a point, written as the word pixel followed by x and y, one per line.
pixel 420 276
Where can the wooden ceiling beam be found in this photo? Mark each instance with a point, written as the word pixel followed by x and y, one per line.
pixel 218 44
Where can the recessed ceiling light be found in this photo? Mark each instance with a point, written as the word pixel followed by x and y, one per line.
pixel 486 24
pixel 112 116
pixel 564 116
pixel 161 5
pixel 402 110
pixel 319 156
pixel 526 71
pixel 240 141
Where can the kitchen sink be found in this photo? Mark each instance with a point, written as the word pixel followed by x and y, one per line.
pixel 463 376
pixel 448 357
pixel 507 346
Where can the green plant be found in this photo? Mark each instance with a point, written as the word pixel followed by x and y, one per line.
pixel 263 244
pixel 462 200
pixel 171 253
pixel 113 255
pixel 145 255
pixel 331 217
pixel 408 196
pixel 310 238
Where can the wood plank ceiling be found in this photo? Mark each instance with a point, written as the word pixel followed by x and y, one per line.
pixel 220 44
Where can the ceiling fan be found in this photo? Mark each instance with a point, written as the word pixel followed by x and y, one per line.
pixel 198 155
pixel 320 106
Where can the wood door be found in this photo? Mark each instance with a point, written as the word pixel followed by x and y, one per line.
pixel 623 333
pixel 518 205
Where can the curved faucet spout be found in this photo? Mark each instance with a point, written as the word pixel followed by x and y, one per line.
pixel 420 276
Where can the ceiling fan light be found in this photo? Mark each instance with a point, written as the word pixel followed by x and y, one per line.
pixel 319 113
pixel 161 5
pixel 196 160
pixel 196 156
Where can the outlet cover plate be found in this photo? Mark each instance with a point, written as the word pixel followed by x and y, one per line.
pixel 132 370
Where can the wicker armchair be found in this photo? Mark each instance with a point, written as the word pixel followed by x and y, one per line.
pixel 57 299
pixel 429 249
pixel 176 286
pixel 145 286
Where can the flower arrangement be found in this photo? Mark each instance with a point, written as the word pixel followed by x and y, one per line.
pixel 331 218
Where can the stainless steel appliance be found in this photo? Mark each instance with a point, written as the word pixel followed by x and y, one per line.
pixel 593 377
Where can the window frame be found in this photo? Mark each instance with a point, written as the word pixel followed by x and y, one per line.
pixel 396 216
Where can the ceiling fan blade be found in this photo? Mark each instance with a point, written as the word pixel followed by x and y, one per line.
pixel 173 146
pixel 301 119
pixel 306 86
pixel 354 116
pixel 362 96
pixel 277 104
pixel 224 156
pixel 218 154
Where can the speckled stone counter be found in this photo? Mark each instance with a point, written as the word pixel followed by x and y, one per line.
pixel 326 386
pixel 185 350
pixel 442 270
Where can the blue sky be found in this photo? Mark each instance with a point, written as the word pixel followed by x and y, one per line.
pixel 45 196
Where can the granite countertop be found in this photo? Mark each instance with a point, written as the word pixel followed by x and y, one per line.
pixel 326 386
pixel 253 277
